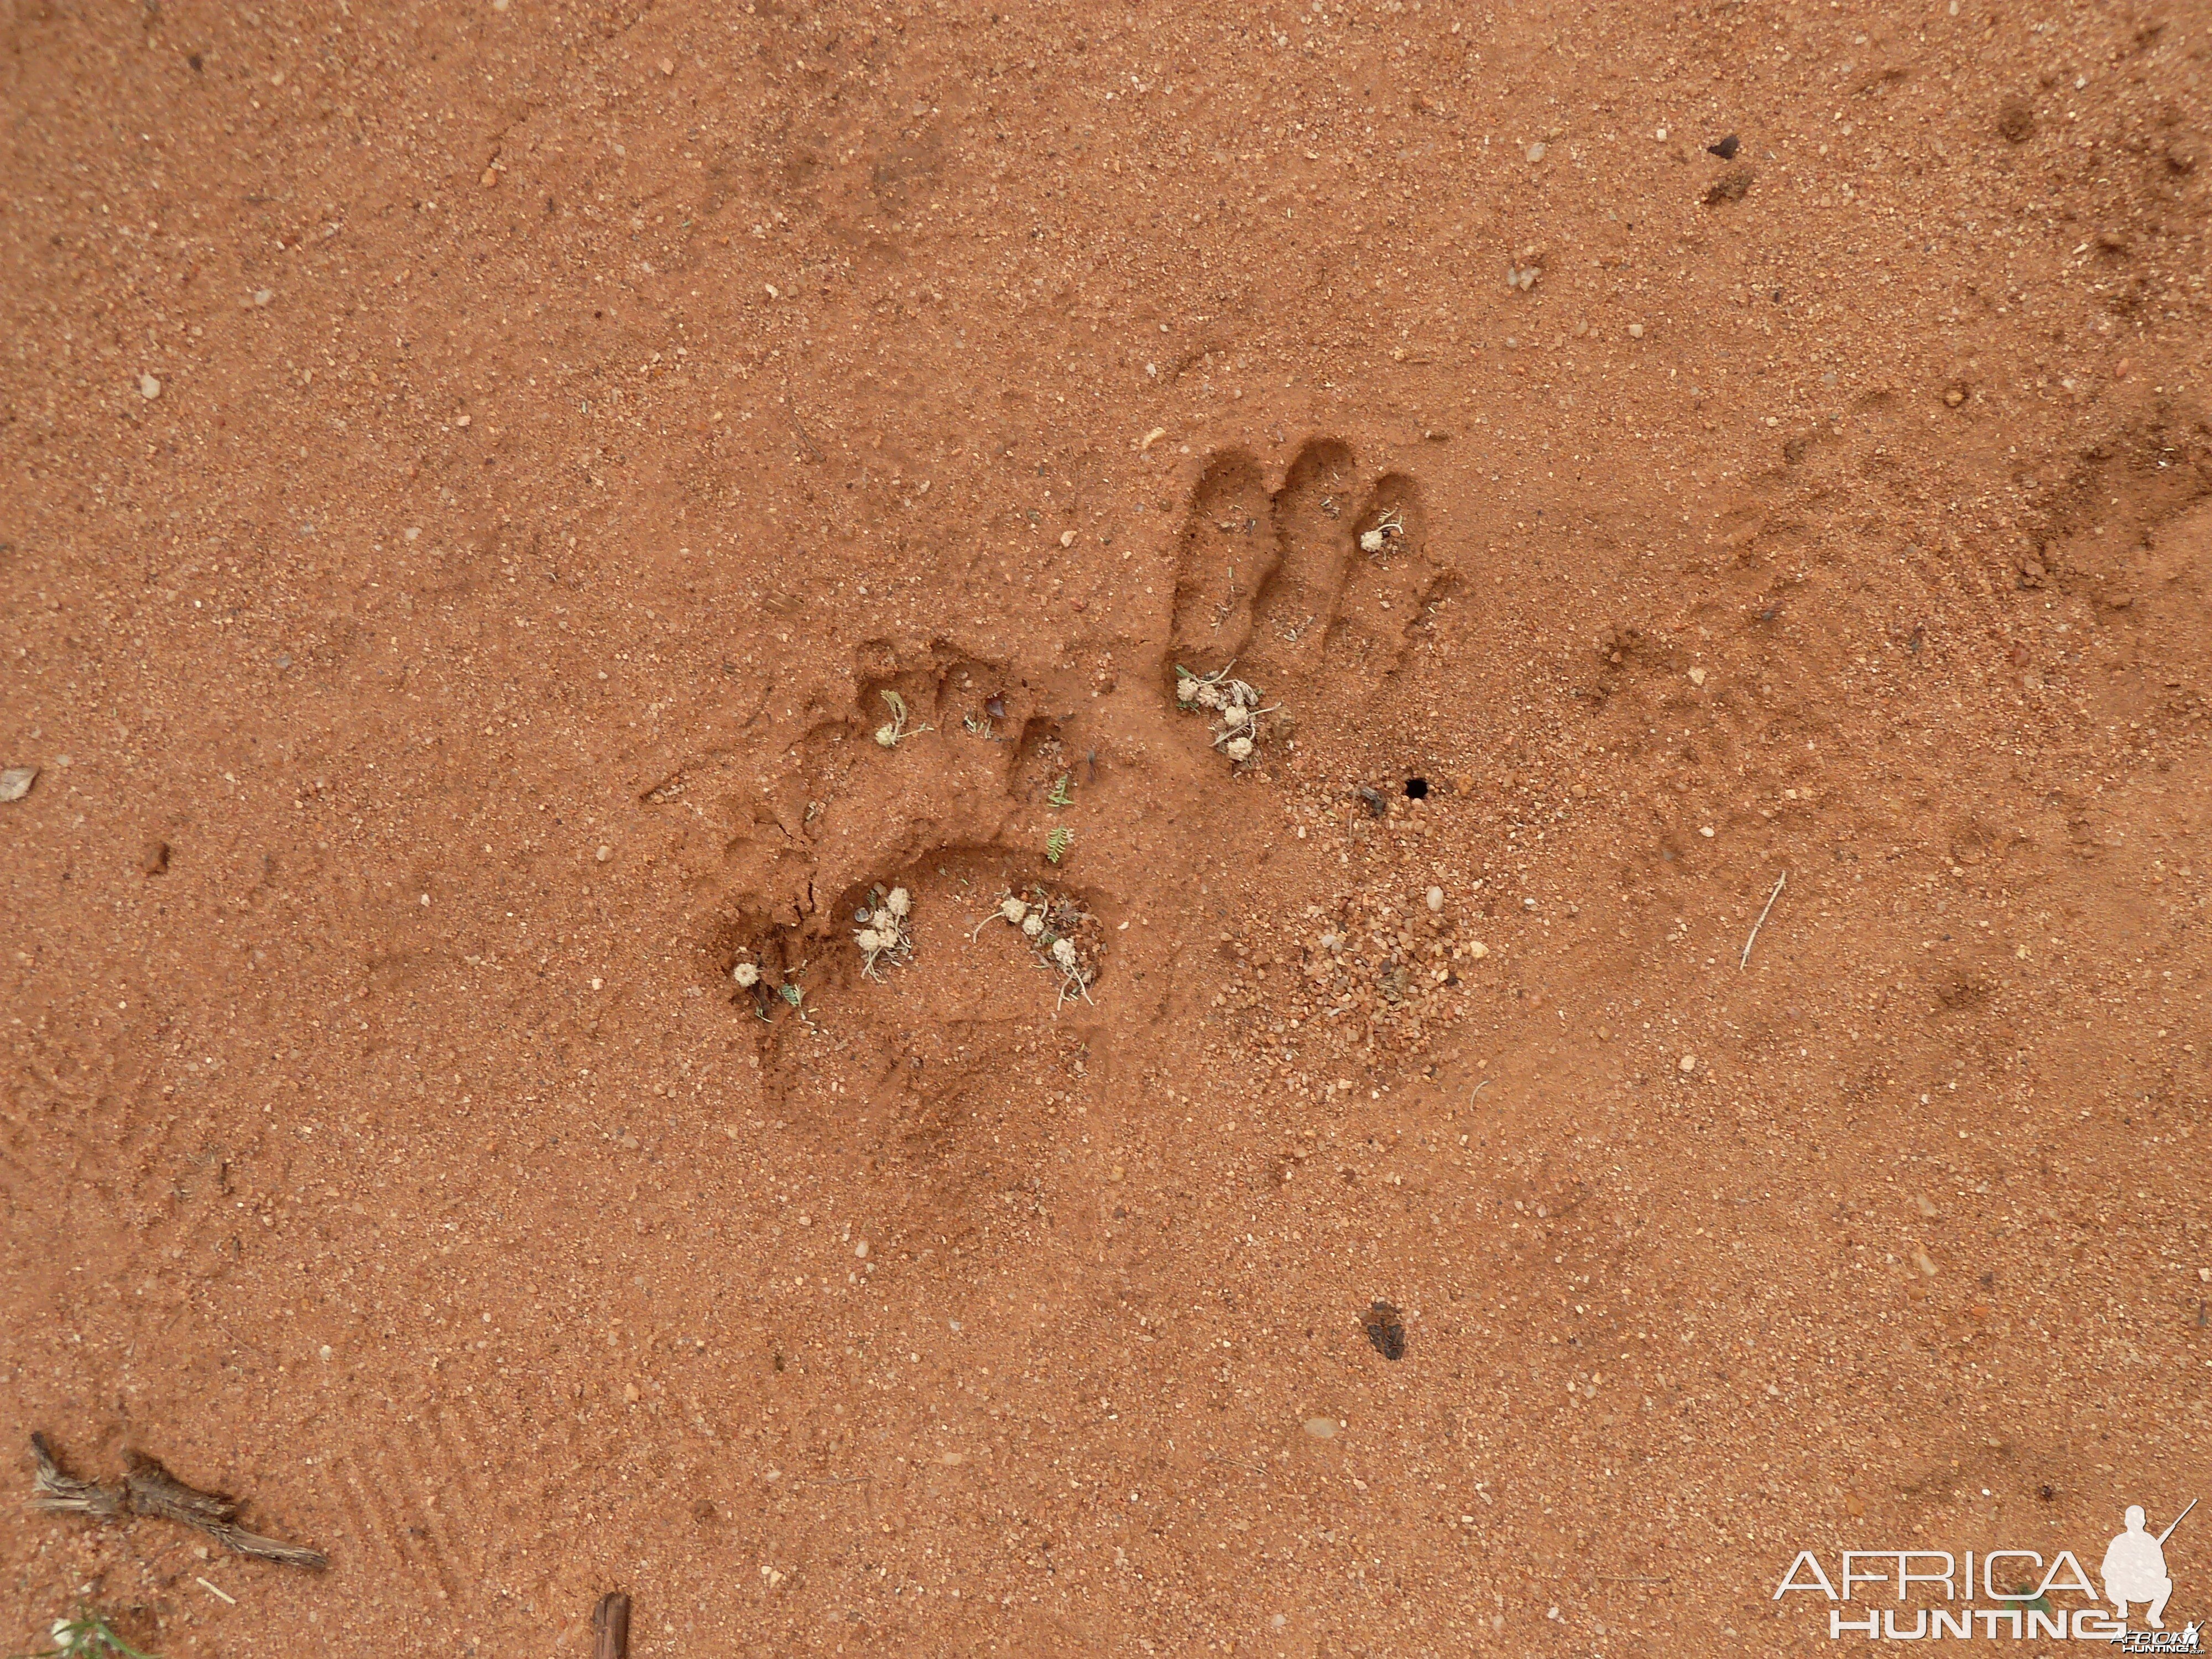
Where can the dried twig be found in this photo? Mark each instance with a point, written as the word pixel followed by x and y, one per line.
pixel 148 1489
pixel 153 1491
pixel 611 1627
pixel 1780 882
pixel 56 1492
pixel 1249 1468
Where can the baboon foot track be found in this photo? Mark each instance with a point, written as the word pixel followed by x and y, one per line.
pixel 1319 581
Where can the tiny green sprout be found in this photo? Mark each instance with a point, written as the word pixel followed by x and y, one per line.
pixel 1056 844
pixel 791 994
pixel 1061 794
pixel 87 1635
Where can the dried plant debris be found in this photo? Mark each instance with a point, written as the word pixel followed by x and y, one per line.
pixel 1067 940
pixel 884 933
pixel 56 1492
pixel 748 974
pixel 1386 1330
pixel 896 730
pixel 1390 527
pixel 148 1489
pixel 1239 728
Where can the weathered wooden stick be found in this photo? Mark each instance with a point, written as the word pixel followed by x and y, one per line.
pixel 611 1627
pixel 148 1489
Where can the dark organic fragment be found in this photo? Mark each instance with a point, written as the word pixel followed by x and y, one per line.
pixel 1385 1330
pixel 1731 187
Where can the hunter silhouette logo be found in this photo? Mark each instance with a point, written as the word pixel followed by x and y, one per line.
pixel 2135 1568
pixel 2017 1591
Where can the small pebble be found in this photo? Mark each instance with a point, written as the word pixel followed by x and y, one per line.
pixel 1688 1064
pixel 1436 899
pixel 1536 152
pixel 1706 831
pixel 1696 676
pixel 860 1250
pixel 1636 330
pixel 154 859
pixel 15 782
pixel 262 296
pixel 603 853
pixel 1321 1428
pixel 148 387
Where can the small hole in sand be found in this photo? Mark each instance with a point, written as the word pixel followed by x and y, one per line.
pixel 1416 788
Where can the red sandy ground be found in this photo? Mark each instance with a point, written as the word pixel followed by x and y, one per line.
pixel 571 419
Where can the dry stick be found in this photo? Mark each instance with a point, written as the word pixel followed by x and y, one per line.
pixel 59 1492
pixel 1780 882
pixel 153 1491
pixel 611 1627
pixel 148 1489
pixel 1249 1468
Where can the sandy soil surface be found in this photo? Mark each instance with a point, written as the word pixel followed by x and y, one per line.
pixel 516 517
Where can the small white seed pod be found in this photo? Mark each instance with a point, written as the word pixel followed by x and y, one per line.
pixel 1187 689
pixel 746 974
pixel 1063 952
pixel 900 902
pixel 887 734
pixel 869 939
pixel 1013 909
pixel 1370 541
pixel 1238 749
pixel 1209 697
pixel 1033 925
